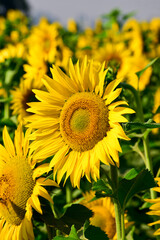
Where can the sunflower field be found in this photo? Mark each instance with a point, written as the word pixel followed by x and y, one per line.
pixel 79 129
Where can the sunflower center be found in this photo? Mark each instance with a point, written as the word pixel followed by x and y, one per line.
pixel 80 120
pixel 114 62
pixel 16 188
pixel 29 97
pixel 84 121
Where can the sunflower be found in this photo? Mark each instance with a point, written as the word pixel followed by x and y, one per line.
pixel 86 44
pixel 22 95
pixel 13 51
pixel 47 37
pixel 36 67
pixel 72 25
pixel 139 63
pixel 20 187
pixel 77 121
pixel 116 56
pixel 103 214
pixel 155 208
pixel 132 36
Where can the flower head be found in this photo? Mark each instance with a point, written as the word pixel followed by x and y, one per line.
pixel 103 214
pixel 20 187
pixel 22 95
pixel 155 208
pixel 77 121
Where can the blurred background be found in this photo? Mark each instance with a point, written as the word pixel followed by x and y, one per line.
pixel 82 11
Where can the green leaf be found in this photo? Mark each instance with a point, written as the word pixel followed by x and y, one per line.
pixel 77 215
pixel 95 233
pixel 137 125
pixel 59 238
pixel 100 186
pixel 73 233
pixel 130 235
pixel 131 174
pixel 9 76
pixel 102 190
pixel 7 122
pixel 128 188
pixel 139 73
pixel 3 100
pixel 72 236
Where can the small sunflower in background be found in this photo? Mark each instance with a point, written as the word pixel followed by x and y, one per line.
pixel 155 208
pixel 13 52
pixel 21 185
pixel 77 121
pixel 36 67
pixel 46 37
pixel 22 95
pixel 138 63
pixel 72 25
pixel 116 56
pixel 103 214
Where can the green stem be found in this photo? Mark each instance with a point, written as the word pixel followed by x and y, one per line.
pixel 114 178
pixel 148 160
pixel 122 226
pixel 139 110
pixel 6 107
pixel 68 193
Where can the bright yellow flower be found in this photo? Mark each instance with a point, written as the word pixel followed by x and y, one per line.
pixel 72 26
pixel 98 26
pixel 13 51
pixel 132 35
pixel 86 44
pixel 78 121
pixel 46 37
pixel 103 214
pixel 22 95
pixel 138 63
pixel 20 187
pixel 155 208
pixel 115 56
pixel 63 55
pixel 13 15
pixel 36 67
pixel 2 24
pixel 155 28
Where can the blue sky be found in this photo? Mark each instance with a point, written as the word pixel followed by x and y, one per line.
pixel 87 11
